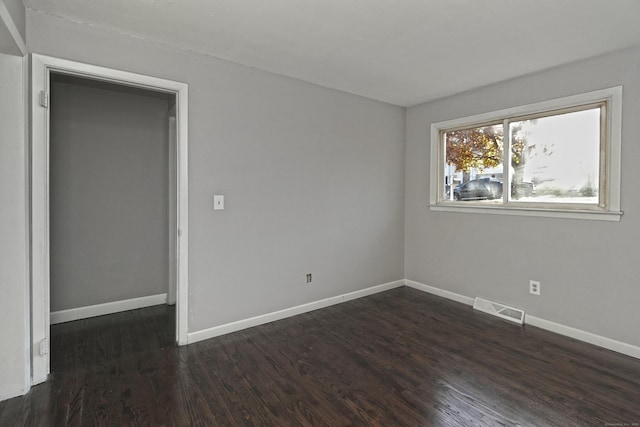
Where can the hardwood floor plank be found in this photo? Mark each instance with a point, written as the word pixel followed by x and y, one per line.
pixel 399 358
pixel 260 381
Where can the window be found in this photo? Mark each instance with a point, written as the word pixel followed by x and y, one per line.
pixel 557 158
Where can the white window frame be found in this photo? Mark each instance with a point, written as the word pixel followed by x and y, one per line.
pixel 610 157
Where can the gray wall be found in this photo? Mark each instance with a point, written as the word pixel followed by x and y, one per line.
pixel 588 269
pixel 18 15
pixel 313 178
pixel 109 193
pixel 12 17
pixel 14 331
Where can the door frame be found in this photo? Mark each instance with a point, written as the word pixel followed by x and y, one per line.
pixel 41 68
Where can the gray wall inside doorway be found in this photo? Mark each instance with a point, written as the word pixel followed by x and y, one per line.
pixel 109 192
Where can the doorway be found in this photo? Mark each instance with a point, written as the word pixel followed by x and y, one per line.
pixel 48 73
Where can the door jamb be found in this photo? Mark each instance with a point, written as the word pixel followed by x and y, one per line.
pixel 41 68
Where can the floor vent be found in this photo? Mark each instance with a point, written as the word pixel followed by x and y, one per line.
pixel 503 311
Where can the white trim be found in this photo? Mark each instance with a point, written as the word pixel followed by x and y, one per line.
pixel 580 335
pixel 106 308
pixel 613 158
pixel 41 67
pixel 6 18
pixel 568 331
pixel 549 213
pixel 19 388
pixel 182 220
pixel 27 209
pixel 535 108
pixel 288 312
pixel 10 391
pixel 439 292
pixel 172 293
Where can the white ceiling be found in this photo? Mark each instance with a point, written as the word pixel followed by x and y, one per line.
pixel 403 52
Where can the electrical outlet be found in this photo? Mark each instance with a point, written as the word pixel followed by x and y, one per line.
pixel 218 202
pixel 308 277
pixel 534 287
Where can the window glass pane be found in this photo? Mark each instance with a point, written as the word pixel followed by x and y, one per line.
pixel 555 159
pixel 473 164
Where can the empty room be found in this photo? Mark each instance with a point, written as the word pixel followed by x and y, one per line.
pixel 319 213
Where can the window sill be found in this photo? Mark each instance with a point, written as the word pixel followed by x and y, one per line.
pixel 529 211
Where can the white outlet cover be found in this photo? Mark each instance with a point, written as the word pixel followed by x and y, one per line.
pixel 218 203
pixel 534 287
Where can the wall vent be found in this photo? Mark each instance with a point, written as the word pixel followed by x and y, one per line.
pixel 500 310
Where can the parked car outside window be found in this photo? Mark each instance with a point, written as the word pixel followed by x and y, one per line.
pixel 489 189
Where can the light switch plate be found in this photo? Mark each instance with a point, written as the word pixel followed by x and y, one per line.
pixel 218 203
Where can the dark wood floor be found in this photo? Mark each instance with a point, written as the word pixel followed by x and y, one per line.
pixel 399 358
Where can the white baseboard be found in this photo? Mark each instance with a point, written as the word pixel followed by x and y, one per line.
pixel 568 331
pixel 106 308
pixel 580 335
pixel 11 391
pixel 439 292
pixel 288 312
